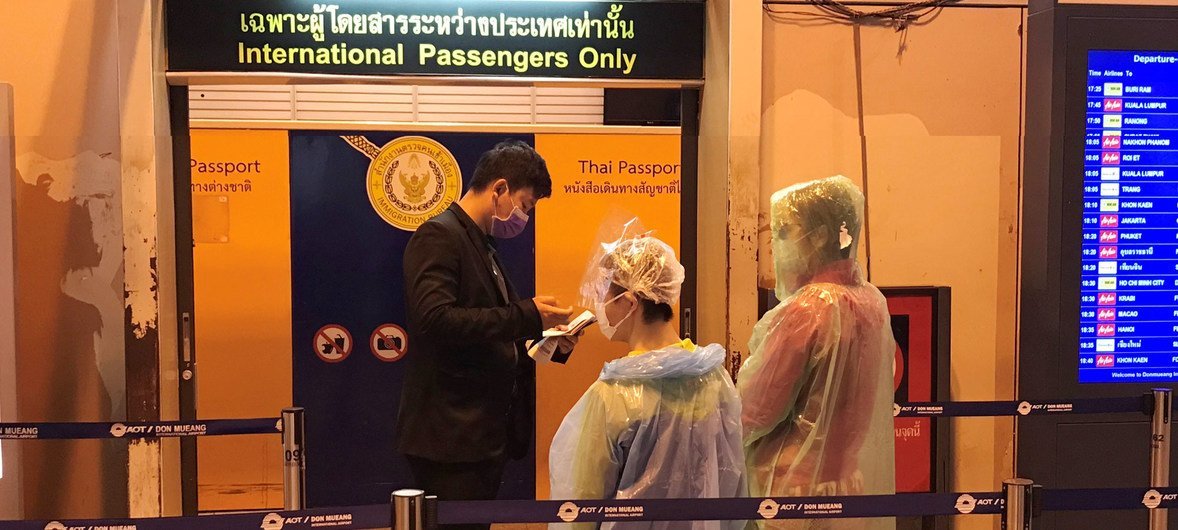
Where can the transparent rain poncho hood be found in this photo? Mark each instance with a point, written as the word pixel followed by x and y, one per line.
pixel 817 385
pixel 660 424
pixel 630 257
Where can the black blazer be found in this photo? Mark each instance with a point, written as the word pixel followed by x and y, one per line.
pixel 469 387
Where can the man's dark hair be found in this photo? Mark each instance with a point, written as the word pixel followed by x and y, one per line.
pixel 518 163
pixel 651 311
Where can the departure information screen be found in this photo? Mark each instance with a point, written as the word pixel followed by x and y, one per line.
pixel 1129 283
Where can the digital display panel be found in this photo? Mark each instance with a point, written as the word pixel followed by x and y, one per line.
pixel 1129 279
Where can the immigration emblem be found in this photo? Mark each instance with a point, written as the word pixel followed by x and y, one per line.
pixel 410 179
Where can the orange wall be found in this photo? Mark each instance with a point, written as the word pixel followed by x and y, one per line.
pixel 941 111
pixel 65 62
pixel 242 289
pixel 566 228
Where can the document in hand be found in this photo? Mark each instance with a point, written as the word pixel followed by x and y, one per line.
pixel 545 350
pixel 576 326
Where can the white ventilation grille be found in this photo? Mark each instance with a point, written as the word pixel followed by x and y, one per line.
pixel 398 103
pixel 570 105
pixel 352 103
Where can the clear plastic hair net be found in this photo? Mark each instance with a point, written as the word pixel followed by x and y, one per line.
pixel 637 262
pixel 817 386
pixel 662 424
pixel 813 223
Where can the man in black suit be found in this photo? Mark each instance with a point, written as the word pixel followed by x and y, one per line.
pixel 467 399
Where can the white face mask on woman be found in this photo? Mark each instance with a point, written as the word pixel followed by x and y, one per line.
pixel 603 321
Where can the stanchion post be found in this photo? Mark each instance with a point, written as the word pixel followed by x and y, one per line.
pixel 294 465
pixel 1159 452
pixel 1019 510
pixel 407 507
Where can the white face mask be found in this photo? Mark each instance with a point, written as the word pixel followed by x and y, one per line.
pixel 789 265
pixel 603 321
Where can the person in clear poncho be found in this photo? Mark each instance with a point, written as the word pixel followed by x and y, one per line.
pixel 661 422
pixel 817 386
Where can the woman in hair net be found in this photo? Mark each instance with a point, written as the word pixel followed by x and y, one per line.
pixel 661 422
pixel 817 386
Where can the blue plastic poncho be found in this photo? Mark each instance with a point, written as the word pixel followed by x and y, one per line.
pixel 660 424
pixel 817 385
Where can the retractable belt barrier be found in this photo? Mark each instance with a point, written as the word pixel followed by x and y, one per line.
pixel 1018 503
pixel 137 429
pixel 947 409
pixel 841 507
pixel 290 426
pixel 637 510
pixel 356 517
pixel 634 510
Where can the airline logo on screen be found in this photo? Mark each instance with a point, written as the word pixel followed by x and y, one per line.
pixel 1105 315
pixel 1113 105
pixel 1111 140
pixel 1106 299
pixel 1106 361
pixel 1109 221
pixel 410 179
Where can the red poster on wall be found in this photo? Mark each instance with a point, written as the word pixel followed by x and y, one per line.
pixel 912 327
pixel 920 324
